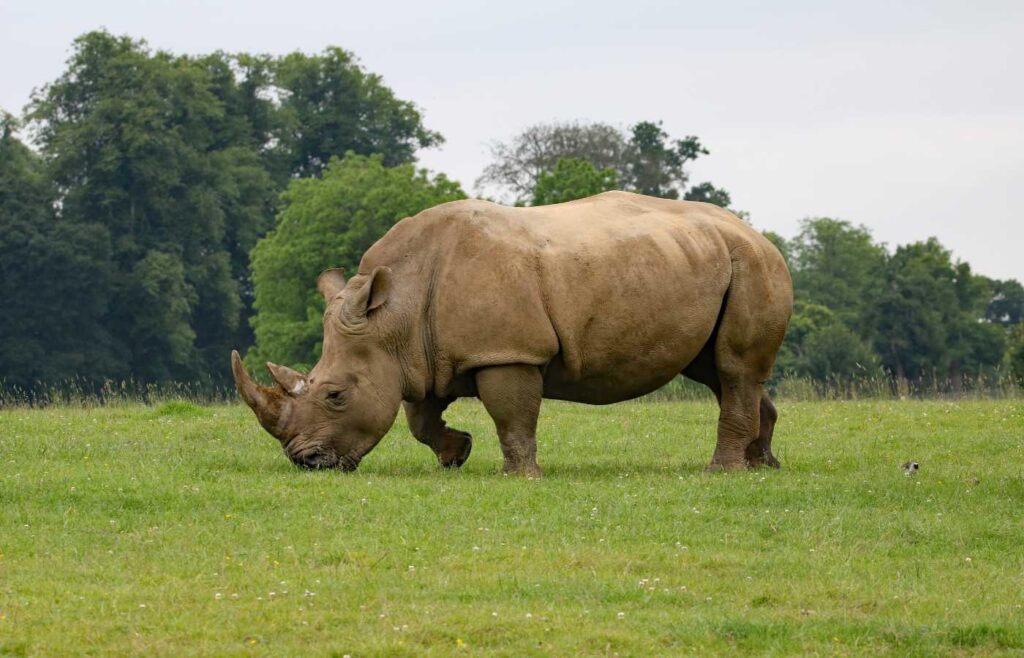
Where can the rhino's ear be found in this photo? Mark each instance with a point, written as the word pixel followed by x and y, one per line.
pixel 293 382
pixel 331 282
pixel 372 295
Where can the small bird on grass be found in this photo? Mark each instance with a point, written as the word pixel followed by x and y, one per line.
pixel 910 468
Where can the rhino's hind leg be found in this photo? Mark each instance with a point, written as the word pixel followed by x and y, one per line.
pixel 738 420
pixel 512 394
pixel 451 446
pixel 736 362
pixel 759 452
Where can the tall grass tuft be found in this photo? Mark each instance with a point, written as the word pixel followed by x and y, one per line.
pixel 877 386
pixel 80 392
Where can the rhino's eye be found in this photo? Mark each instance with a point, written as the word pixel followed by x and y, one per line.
pixel 335 398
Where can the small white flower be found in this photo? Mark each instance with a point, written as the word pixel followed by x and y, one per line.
pixel 621 615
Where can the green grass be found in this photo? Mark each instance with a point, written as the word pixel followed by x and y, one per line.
pixel 181 529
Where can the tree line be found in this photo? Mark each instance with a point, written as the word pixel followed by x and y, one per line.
pixel 168 208
pixel 125 233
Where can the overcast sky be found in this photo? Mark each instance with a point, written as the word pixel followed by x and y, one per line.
pixel 907 117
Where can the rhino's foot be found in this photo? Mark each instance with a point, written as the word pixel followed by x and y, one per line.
pixel 454 447
pixel 766 460
pixel 716 466
pixel 759 454
pixel 523 469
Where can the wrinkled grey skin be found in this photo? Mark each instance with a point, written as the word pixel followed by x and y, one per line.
pixel 597 300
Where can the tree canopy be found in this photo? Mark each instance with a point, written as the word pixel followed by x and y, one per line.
pixel 167 169
pixel 572 179
pixel 54 277
pixel 328 222
pixel 643 159
pixel 914 313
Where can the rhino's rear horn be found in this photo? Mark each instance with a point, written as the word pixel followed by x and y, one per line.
pixel 292 381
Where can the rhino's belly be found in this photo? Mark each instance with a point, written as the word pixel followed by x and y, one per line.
pixel 614 376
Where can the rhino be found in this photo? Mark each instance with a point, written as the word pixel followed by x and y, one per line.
pixel 597 300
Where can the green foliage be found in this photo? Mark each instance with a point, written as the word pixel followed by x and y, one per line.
pixel 328 222
pixel 166 170
pixel 708 193
pixel 643 159
pixel 162 301
pixel 1015 353
pixel 331 106
pixel 925 323
pixel 517 164
pixel 138 142
pixel 1006 303
pixel 916 313
pixel 572 179
pixel 657 166
pixel 837 265
pixel 820 346
pixel 835 352
pixel 53 278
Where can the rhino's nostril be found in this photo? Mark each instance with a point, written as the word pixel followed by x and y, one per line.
pixel 313 460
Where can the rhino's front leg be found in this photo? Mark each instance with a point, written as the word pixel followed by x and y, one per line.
pixel 451 446
pixel 512 394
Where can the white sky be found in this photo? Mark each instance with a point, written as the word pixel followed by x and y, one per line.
pixel 904 116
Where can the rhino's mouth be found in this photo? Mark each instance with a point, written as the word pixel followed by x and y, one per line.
pixel 319 459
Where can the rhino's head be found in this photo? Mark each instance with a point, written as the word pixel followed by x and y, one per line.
pixel 337 413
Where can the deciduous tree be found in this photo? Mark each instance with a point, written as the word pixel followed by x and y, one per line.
pixel 572 179
pixel 54 278
pixel 328 222
pixel 330 105
pixel 644 159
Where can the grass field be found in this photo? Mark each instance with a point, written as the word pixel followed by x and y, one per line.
pixel 180 530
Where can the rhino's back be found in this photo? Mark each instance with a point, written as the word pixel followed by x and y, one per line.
pixel 613 294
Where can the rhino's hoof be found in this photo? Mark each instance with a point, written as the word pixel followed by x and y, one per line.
pixel 768 461
pixel 455 449
pixel 719 467
pixel 529 471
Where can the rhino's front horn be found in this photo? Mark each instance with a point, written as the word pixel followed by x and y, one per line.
pixel 264 401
